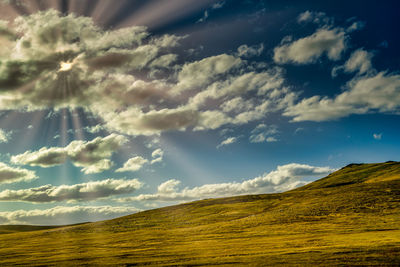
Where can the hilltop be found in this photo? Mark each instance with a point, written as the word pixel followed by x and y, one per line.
pixel 350 217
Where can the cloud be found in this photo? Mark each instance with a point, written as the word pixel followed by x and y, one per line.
pixel 62 215
pixel 359 61
pixel 363 94
pixel 133 164
pixel 78 192
pixel 250 51
pixel 227 141
pixel 157 155
pixel 93 156
pixel 315 17
pixel 10 174
pixel 206 14
pixel 268 84
pixel 264 133
pixel 331 42
pixel 204 72
pixel 284 178
pixel 130 80
pixel 4 136
pixel 358 25
pixel 377 136
pixel 218 5
pixel 95 129
pixel 204 18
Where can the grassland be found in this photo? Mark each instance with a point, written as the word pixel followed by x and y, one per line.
pixel 351 217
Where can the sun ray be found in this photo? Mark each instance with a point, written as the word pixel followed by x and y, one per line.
pixel 77 125
pixel 82 7
pixel 155 13
pixel 187 163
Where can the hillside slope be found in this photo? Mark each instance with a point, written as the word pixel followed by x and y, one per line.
pixel 349 217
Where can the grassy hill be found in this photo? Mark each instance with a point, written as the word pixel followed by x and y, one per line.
pixel 351 217
pixel 8 229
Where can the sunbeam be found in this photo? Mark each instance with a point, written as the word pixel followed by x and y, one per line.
pixel 108 108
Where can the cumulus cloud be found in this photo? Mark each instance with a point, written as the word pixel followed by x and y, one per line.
pixel 78 192
pixel 331 42
pixel 204 72
pixel 133 164
pixel 359 61
pixel 93 156
pixel 130 80
pixel 263 133
pixel 284 178
pixel 363 94
pixel 157 156
pixel 62 215
pixel 10 174
pixel 227 141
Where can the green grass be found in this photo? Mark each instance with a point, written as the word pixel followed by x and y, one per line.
pixel 351 217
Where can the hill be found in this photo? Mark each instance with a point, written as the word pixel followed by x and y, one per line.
pixel 350 217
pixel 7 229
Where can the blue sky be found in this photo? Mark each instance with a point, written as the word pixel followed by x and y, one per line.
pixel 108 109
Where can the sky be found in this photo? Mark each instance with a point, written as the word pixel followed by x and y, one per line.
pixel 108 108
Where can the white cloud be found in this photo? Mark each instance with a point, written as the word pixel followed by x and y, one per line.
pixel 250 51
pixel 266 83
pixel 227 141
pixel 206 14
pixel 133 164
pixel 365 94
pixel 377 136
pixel 95 129
pixel 264 133
pixel 157 155
pixel 10 174
pixel 284 178
pixel 78 192
pixel 331 42
pixel 4 136
pixel 237 104
pixel 135 122
pixel 204 72
pixel 93 156
pixel 355 26
pixel 359 61
pixel 129 80
pixel 315 17
pixel 62 215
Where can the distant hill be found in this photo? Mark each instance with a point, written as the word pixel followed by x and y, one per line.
pixel 350 217
pixel 8 229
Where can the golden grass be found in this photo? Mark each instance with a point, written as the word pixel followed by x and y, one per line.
pixel 351 217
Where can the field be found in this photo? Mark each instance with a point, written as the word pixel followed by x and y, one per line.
pixel 351 217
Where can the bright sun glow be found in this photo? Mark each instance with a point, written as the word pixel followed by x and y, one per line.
pixel 65 66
